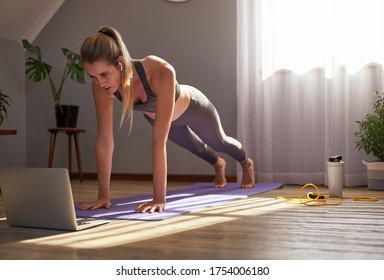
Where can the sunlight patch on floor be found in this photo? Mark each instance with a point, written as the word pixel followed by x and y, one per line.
pixel 120 232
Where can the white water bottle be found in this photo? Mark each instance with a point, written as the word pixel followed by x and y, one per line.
pixel 335 168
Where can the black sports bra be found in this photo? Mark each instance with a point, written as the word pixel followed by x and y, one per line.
pixel 150 104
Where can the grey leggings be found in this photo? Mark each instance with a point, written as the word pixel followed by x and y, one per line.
pixel 199 131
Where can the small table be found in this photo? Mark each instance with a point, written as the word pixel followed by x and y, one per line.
pixel 70 131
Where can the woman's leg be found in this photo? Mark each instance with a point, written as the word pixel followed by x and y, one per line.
pixel 205 122
pixel 184 137
pixel 199 130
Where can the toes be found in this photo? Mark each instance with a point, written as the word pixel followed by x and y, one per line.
pixel 247 185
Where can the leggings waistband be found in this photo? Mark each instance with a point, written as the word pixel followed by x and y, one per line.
pixel 191 107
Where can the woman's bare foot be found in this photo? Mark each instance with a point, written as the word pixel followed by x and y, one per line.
pixel 220 180
pixel 248 179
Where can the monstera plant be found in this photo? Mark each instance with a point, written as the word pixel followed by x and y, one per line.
pixel 38 70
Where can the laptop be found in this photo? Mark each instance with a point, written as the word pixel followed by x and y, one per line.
pixel 41 198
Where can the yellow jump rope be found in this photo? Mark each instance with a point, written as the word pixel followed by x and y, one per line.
pixel 325 199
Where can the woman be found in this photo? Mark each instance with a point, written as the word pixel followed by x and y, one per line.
pixel 178 112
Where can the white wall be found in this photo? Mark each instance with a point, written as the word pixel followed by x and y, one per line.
pixel 197 37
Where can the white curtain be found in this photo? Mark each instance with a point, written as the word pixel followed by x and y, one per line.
pixel 306 72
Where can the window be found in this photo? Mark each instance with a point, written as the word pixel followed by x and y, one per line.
pixel 300 35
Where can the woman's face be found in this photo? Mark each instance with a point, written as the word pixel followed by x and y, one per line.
pixel 104 75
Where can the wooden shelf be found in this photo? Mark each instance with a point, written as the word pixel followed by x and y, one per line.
pixel 8 131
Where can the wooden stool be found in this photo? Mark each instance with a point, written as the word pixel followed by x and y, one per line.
pixel 70 132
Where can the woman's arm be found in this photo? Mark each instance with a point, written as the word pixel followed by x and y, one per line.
pixel 104 146
pixel 163 84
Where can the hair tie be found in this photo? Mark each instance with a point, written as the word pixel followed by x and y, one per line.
pixel 106 33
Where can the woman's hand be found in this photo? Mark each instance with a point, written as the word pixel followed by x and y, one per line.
pixel 100 203
pixel 151 207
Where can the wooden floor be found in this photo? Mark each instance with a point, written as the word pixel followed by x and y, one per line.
pixel 261 227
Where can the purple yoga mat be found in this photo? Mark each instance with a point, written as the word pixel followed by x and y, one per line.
pixel 179 201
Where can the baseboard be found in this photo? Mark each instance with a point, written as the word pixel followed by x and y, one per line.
pixel 148 177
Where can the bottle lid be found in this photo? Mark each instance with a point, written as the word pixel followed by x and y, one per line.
pixel 337 158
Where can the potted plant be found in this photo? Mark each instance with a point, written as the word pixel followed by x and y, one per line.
pixel 4 103
pixel 370 136
pixel 38 70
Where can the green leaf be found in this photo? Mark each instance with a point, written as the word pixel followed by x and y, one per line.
pixel 32 49
pixel 36 69
pixel 74 65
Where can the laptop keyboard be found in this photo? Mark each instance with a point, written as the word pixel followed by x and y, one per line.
pixel 80 223
pixel 85 221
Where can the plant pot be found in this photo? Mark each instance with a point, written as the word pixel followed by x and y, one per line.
pixel 66 115
pixel 375 173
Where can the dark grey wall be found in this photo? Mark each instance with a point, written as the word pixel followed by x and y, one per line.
pixel 12 83
pixel 197 37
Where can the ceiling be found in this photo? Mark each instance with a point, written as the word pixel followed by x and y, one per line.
pixel 24 19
